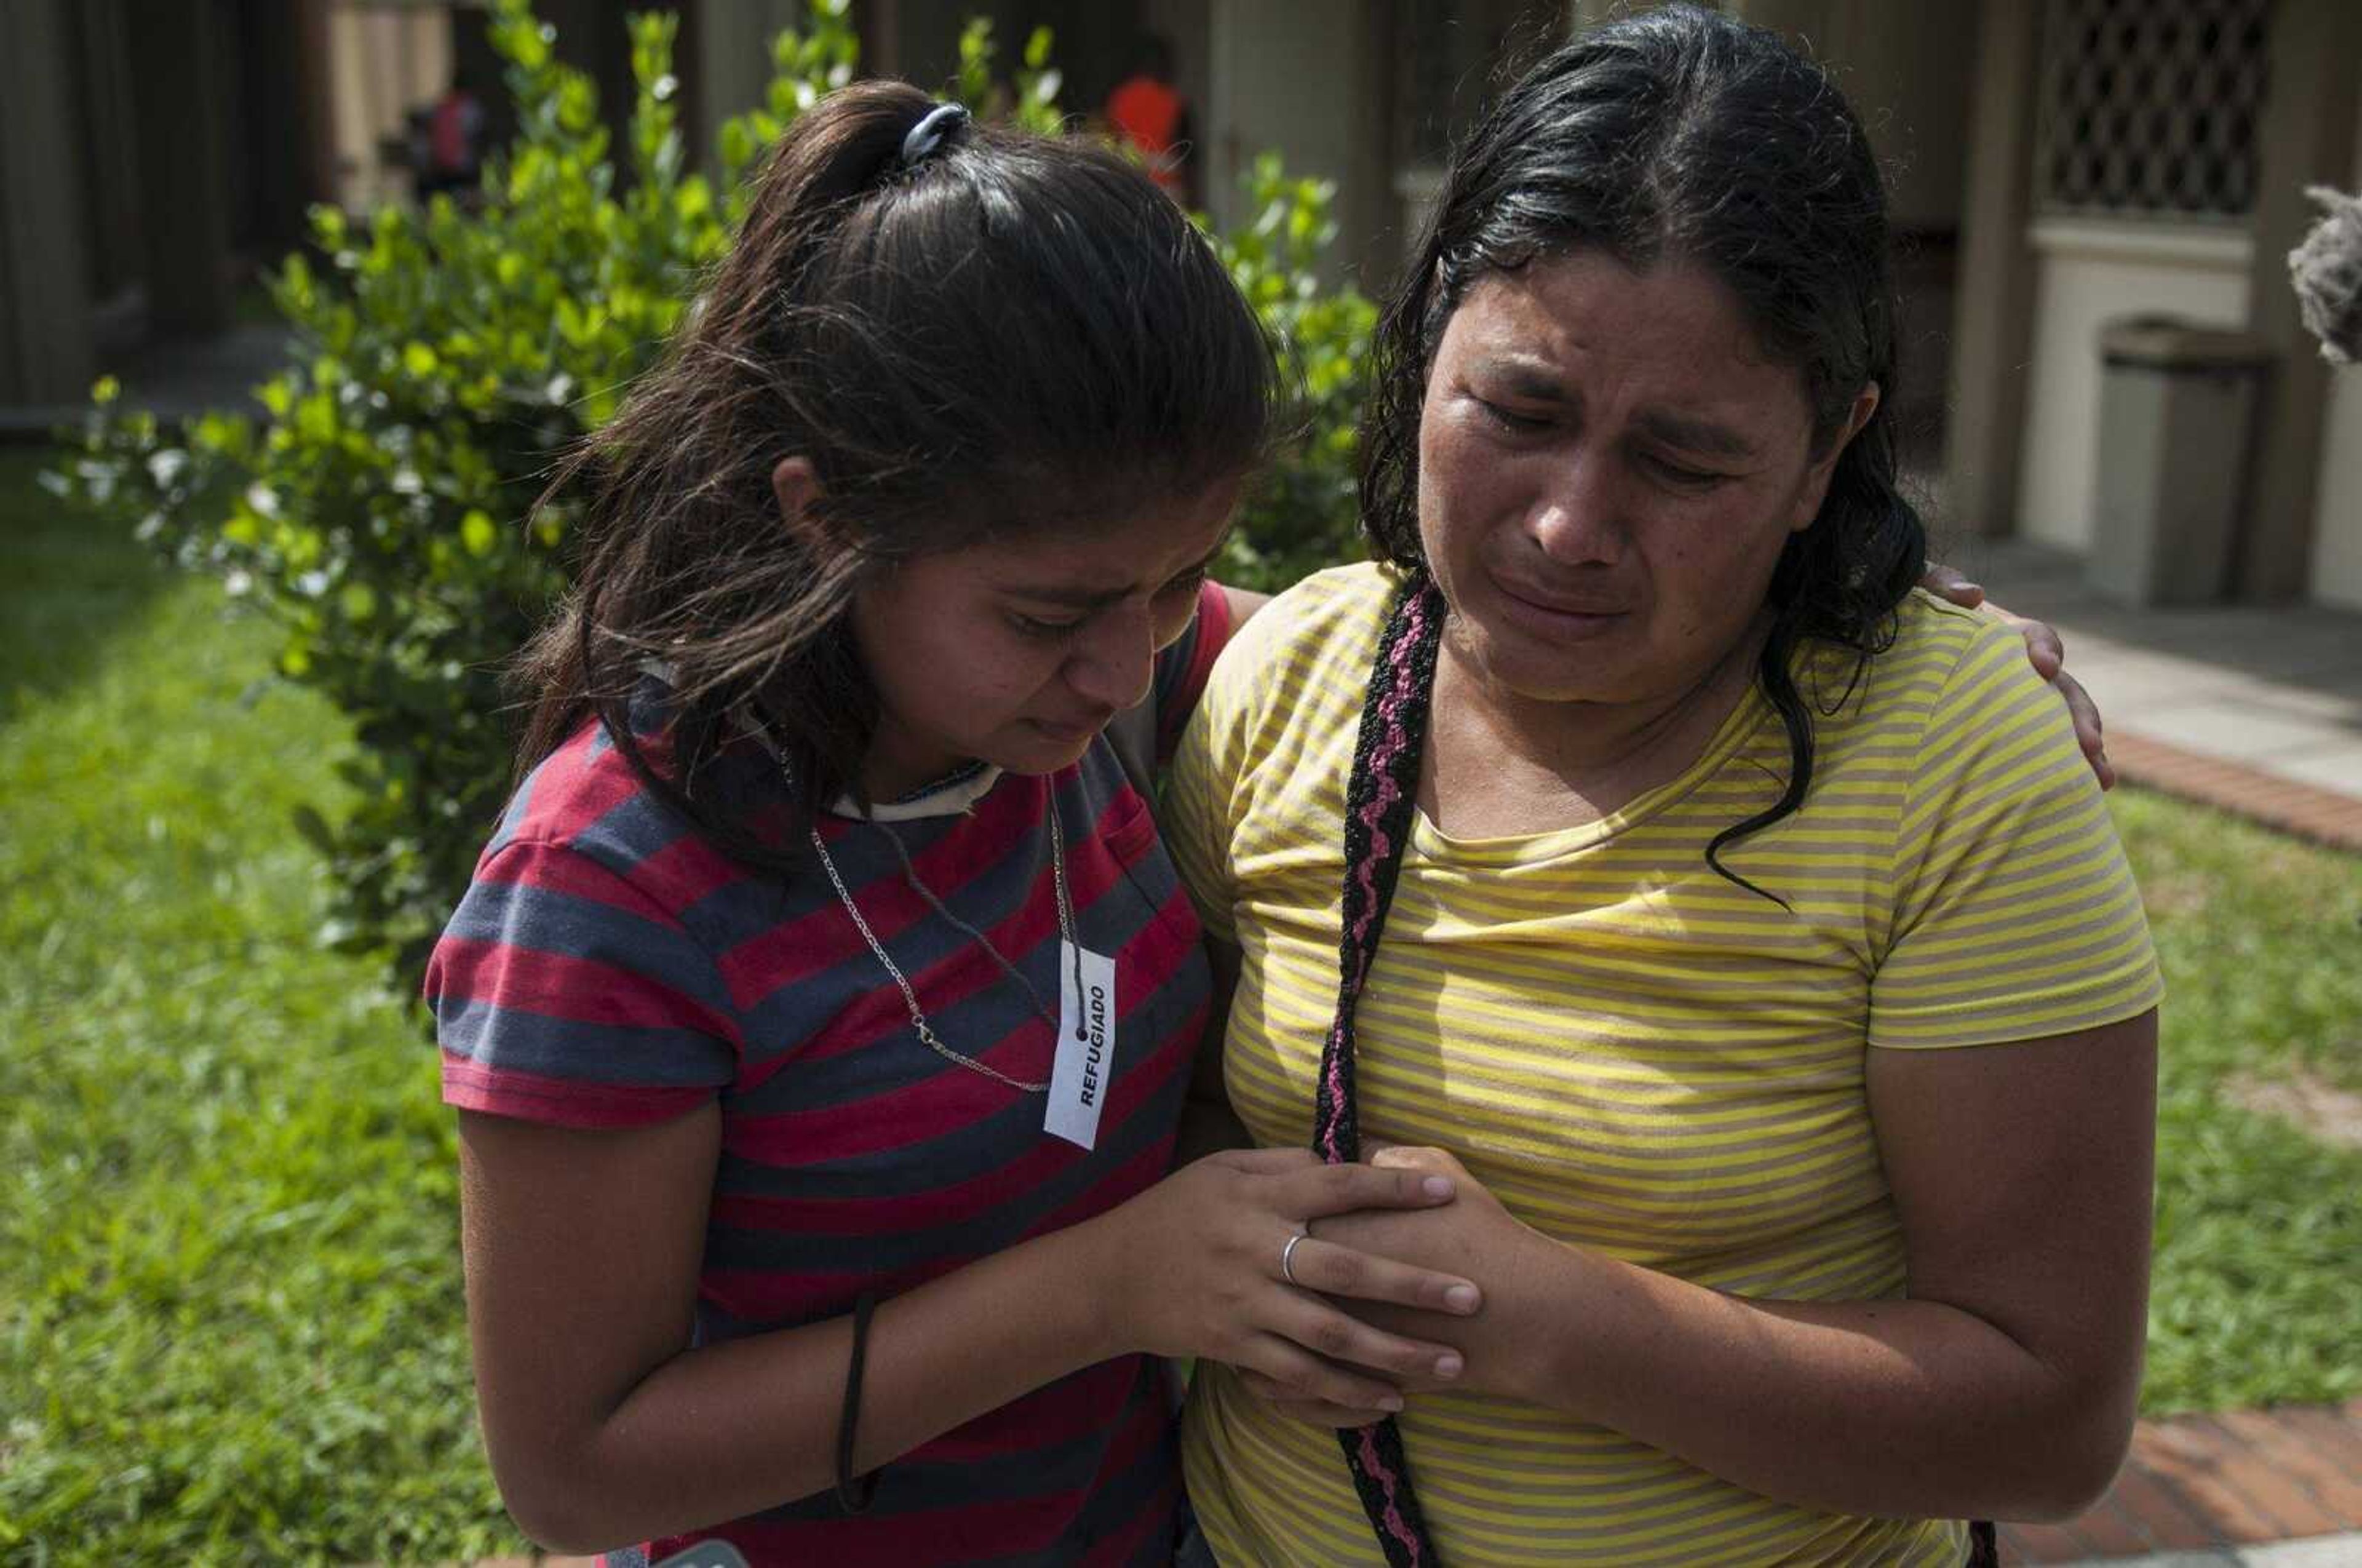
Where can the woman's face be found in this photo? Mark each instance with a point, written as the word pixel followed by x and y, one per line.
pixel 1609 465
pixel 1017 652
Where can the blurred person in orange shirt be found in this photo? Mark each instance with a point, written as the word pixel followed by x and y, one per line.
pixel 1147 111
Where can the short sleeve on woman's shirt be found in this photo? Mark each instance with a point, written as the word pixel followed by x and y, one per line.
pixel 563 994
pixel 1198 808
pixel 2015 914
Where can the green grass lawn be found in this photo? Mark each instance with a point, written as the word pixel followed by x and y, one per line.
pixel 2258 1267
pixel 230 1320
pixel 230 1316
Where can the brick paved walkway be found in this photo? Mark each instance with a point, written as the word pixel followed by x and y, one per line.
pixel 2195 1482
pixel 2323 816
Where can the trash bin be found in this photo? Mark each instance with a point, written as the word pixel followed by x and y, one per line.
pixel 2178 406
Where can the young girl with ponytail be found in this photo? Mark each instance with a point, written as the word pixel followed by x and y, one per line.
pixel 821 1012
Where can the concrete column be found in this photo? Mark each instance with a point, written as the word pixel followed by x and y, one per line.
pixel 381 64
pixel 108 169
pixel 1372 226
pixel 1187 26
pixel 2306 138
pixel 285 94
pixel 1992 312
pixel 1804 23
pixel 731 67
pixel 881 36
pixel 1303 80
pixel 316 84
pixel 45 333
pixel 184 192
pixel 2337 574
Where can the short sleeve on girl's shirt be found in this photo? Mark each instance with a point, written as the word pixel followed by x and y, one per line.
pixel 563 994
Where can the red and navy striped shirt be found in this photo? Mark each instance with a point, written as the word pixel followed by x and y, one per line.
pixel 609 967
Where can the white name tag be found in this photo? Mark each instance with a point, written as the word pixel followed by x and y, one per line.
pixel 1085 1070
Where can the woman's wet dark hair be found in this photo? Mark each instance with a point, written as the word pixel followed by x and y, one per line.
pixel 1005 334
pixel 1682 135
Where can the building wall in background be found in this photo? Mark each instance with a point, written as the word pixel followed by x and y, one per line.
pixel 1282 77
pixel 2337 518
pixel 1911 85
pixel 2090 272
pixel 2145 181
pixel 44 355
pixel 383 61
pixel 1909 81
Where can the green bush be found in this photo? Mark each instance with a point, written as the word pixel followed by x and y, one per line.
pixel 1304 515
pixel 378 513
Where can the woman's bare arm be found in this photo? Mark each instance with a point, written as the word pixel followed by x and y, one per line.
pixel 2004 1387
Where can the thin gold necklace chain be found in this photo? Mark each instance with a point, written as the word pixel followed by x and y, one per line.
pixel 910 875
pixel 919 1024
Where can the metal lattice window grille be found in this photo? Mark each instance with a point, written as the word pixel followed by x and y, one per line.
pixel 2151 106
pixel 1451 56
pixel 1426 66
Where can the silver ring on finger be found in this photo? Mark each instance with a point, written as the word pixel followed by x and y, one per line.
pixel 1287 1257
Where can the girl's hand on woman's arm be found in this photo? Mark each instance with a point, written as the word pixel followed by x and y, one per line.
pixel 1476 1237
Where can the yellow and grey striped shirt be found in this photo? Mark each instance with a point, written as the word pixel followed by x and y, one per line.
pixel 1633 1053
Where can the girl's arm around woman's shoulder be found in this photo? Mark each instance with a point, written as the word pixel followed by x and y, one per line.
pixel 2045 651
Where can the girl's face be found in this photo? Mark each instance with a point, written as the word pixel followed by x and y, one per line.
pixel 1017 652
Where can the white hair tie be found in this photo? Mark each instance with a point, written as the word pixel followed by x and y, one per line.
pixel 929 132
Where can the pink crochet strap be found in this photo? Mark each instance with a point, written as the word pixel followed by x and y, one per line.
pixel 1378 809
